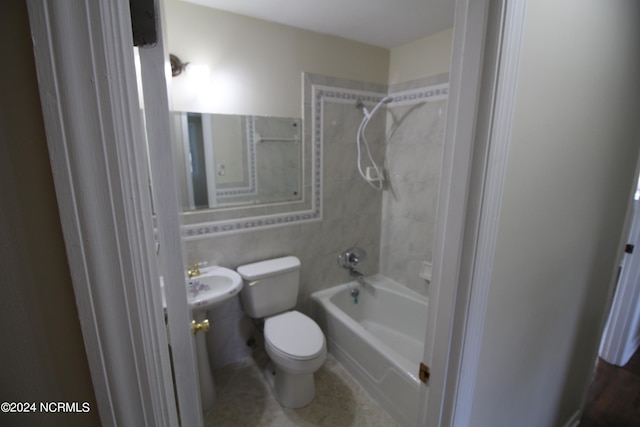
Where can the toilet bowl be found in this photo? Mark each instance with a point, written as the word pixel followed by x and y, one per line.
pixel 294 342
pixel 297 349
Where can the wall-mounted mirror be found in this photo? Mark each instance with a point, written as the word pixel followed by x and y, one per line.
pixel 227 160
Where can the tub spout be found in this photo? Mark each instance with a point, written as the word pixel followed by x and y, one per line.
pixel 357 276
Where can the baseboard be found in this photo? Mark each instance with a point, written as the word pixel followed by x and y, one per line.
pixel 574 421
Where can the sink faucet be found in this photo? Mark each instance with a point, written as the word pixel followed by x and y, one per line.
pixel 193 270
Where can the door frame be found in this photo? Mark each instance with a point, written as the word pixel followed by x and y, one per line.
pixel 618 341
pixel 88 93
pixel 154 70
pixel 484 74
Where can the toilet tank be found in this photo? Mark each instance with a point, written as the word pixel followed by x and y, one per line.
pixel 270 286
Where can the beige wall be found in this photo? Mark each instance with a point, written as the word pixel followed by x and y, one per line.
pixel 570 177
pixel 425 57
pixel 42 357
pixel 256 66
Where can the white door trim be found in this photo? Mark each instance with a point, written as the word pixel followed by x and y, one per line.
pixel 619 342
pixel 487 42
pixel 500 122
pixel 154 66
pixel 464 86
pixel 85 67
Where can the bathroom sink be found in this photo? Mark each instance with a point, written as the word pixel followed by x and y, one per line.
pixel 214 285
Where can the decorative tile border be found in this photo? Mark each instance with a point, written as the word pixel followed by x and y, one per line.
pixel 426 94
pixel 319 94
pixel 341 95
pixel 248 224
pixel 412 96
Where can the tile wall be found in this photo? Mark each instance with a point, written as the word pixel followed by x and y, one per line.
pixel 415 135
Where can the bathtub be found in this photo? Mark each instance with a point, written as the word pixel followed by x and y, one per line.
pixel 379 339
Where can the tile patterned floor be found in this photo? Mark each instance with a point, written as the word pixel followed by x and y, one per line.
pixel 244 398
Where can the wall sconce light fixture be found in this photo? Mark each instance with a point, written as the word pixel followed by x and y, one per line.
pixel 177 66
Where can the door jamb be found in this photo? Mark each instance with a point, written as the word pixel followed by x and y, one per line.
pixel 88 93
pixel 482 99
pixel 155 81
pixel 614 344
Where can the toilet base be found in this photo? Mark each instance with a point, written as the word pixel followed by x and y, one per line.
pixel 290 390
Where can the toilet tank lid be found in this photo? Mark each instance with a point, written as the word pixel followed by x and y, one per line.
pixel 270 267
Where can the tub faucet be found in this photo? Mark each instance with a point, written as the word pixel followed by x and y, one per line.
pixel 351 257
pixel 358 276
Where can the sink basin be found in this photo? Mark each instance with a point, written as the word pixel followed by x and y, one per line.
pixel 213 286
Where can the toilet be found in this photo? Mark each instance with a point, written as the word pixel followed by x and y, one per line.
pixel 294 342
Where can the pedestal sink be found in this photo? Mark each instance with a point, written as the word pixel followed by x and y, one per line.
pixel 213 286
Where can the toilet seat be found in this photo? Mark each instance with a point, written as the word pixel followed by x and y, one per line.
pixel 294 336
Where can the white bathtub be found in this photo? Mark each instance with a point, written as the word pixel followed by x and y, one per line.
pixel 379 339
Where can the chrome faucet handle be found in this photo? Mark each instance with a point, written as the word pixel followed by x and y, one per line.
pixel 351 257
